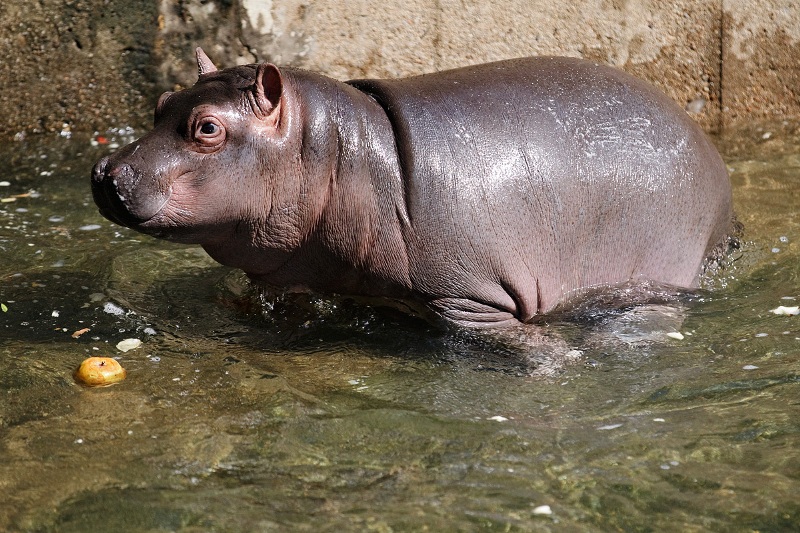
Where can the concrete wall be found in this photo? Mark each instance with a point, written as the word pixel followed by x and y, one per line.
pixel 95 64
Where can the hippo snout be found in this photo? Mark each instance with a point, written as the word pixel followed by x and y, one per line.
pixel 121 193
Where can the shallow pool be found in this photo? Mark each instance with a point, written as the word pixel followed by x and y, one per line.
pixel 243 413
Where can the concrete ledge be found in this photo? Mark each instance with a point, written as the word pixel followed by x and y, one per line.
pixel 95 64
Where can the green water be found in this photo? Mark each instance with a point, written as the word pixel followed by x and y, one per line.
pixel 309 415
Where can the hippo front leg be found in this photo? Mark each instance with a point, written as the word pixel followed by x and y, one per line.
pixel 530 349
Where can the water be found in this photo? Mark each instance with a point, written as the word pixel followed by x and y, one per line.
pixel 307 415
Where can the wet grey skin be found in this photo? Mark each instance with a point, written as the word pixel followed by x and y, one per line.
pixel 487 194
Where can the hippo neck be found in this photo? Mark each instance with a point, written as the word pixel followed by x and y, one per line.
pixel 356 245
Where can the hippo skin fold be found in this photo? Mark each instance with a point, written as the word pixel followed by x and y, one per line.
pixel 488 194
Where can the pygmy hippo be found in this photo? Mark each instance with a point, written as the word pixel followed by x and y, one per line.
pixel 488 194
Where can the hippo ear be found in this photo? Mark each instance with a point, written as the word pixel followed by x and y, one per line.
pixel 267 91
pixel 204 64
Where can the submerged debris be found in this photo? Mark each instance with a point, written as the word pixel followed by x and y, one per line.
pixel 128 344
pixel 609 427
pixel 80 332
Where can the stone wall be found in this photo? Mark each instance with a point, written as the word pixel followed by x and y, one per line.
pixel 83 64
pixel 96 64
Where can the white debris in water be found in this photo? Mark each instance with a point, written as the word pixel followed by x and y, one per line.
pixel 766 135
pixel 659 420
pixel 149 331
pixel 5 184
pixel 128 344
pixel 749 367
pixel 609 427
pixel 776 250
pixel 90 227
pixel 675 335
pixel 786 311
pixel 543 510
pixel 783 239
pixel 498 418
pixel 760 335
pixel 113 309
pixel 55 314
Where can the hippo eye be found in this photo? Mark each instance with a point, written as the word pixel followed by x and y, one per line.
pixel 209 128
pixel 209 133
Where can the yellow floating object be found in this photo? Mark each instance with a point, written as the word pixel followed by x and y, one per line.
pixel 100 372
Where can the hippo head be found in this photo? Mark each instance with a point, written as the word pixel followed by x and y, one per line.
pixel 199 174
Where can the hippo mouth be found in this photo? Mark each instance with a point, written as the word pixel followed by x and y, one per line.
pixel 119 196
pixel 123 218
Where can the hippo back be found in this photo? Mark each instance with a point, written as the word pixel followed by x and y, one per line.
pixel 525 180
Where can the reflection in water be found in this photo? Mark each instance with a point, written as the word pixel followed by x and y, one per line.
pixel 248 414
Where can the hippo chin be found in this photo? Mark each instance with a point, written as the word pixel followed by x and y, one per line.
pixel 489 194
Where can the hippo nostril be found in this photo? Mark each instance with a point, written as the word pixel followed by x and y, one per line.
pixel 99 170
pixel 123 180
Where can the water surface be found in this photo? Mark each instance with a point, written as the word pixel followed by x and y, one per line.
pixel 311 415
